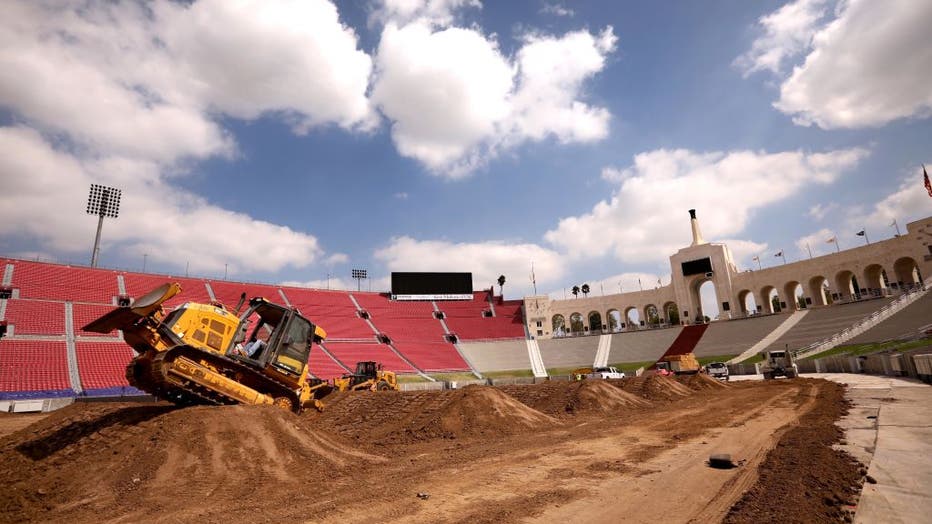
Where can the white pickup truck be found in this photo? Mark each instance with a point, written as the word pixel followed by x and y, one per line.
pixel 607 372
pixel 717 370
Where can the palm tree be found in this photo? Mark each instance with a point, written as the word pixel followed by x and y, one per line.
pixel 585 289
pixel 501 285
pixel 576 291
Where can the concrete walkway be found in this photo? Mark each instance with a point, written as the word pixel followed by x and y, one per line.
pixel 889 427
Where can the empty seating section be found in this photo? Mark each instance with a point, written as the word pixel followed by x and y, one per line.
pixel 349 353
pixel 909 320
pixel 229 293
pixel 642 346
pixel 430 356
pixel 501 355
pixel 468 323
pixel 466 308
pixel 413 330
pixel 569 352
pixel 192 290
pixel 483 329
pixel 82 314
pixel 36 317
pixel 732 337
pixel 102 365
pixel 333 311
pixel 33 368
pixel 57 282
pixel 324 367
pixel 824 322
pixel 379 305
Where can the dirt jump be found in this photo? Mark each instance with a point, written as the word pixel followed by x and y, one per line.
pixel 633 450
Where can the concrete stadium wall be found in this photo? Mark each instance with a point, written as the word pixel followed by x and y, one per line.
pixel 569 352
pixel 642 346
pixel 501 355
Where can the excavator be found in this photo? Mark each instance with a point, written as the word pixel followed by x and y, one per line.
pixel 368 376
pixel 207 354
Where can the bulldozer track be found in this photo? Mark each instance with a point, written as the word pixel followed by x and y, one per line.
pixel 157 379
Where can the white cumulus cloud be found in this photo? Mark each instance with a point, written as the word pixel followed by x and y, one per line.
pixel 816 243
pixel 474 102
pixel 639 222
pixel 787 32
pixel 43 198
pixel 130 93
pixel 910 201
pixel 867 64
pixel 434 12
pixel 485 260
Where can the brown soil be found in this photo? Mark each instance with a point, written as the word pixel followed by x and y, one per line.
pixel 481 454
pixel 655 387
pixel 586 396
pixel 12 422
pixel 700 381
pixel 812 481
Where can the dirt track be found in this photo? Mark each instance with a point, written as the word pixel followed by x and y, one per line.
pixel 632 450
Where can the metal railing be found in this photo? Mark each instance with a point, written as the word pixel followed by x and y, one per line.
pixel 910 294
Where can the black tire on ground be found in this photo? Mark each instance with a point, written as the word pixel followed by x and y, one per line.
pixel 383 386
pixel 790 374
pixel 768 376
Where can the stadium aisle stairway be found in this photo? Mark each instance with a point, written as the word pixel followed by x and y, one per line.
pixel 686 341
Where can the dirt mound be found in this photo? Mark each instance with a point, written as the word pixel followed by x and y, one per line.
pixel 700 381
pixel 116 456
pixel 656 387
pixel 585 396
pixel 596 395
pixel 415 416
pixel 479 410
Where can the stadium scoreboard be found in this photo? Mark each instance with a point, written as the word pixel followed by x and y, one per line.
pixel 431 286
pixel 697 267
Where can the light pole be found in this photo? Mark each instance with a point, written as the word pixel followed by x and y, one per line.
pixel 102 201
pixel 359 275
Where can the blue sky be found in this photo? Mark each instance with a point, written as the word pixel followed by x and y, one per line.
pixel 286 140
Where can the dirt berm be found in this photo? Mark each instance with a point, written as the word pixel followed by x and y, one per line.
pixel 546 452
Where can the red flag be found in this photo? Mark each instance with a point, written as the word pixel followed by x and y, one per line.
pixel 926 176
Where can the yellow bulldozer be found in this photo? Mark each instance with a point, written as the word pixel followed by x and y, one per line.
pixel 368 376
pixel 207 354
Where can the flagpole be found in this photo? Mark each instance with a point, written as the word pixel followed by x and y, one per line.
pixel 897 226
pixel 809 250
pixel 783 256
pixel 533 278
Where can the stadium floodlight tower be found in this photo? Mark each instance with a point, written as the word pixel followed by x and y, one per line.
pixel 102 201
pixel 359 275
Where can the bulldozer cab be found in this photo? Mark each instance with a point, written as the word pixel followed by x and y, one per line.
pixel 273 338
pixel 367 370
